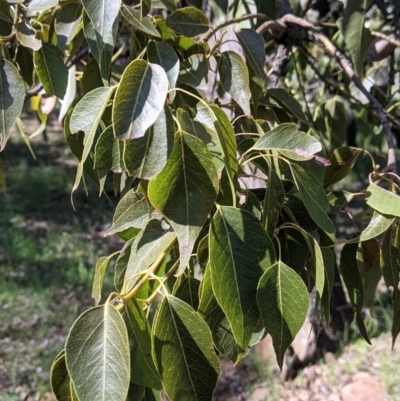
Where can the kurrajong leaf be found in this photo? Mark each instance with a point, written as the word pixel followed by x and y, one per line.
pixel 99 340
pixel 67 21
pixel 12 95
pixel 139 99
pixel 188 21
pixel 98 279
pixel 60 380
pixel 383 201
pixel 142 24
pixel 26 36
pixel 287 102
pixel 239 251
pixel 185 190
pixel 283 301
pixel 183 352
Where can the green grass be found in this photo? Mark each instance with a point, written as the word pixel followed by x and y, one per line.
pixel 47 256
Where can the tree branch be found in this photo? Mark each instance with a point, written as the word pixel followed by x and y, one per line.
pixel 389 39
pixel 78 56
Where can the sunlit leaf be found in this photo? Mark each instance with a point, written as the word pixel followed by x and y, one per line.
pixel 382 200
pixel 69 94
pixel 183 352
pixel 67 21
pixel 142 24
pixel 98 279
pixel 194 71
pixel 99 340
pixel 26 36
pixel 185 191
pixel 283 301
pixel 40 5
pixel 139 99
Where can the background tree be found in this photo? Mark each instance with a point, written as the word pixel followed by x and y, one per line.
pixel 227 206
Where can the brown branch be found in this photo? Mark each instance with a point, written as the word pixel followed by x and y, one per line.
pixel 78 56
pixel 389 39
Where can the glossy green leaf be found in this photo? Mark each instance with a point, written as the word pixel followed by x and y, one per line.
pixel 26 36
pixel 86 117
pixel 139 99
pixel 98 279
pixel 141 24
pixel 60 380
pixel 329 268
pixel 342 162
pixel 383 201
pixel 194 71
pixel 283 301
pixel 164 55
pixel 353 282
pixel 234 78
pixel 253 47
pixel 143 370
pixel 291 143
pixel 183 352
pixel 185 190
pixel 188 21
pixel 107 152
pixel 389 262
pixel 356 36
pixel 146 157
pixel 97 355
pixel 52 71
pixel 217 321
pixel 40 5
pixel 313 196
pixel 376 226
pixel 67 21
pixel 132 211
pixel 239 251
pixel 146 248
pixel 287 102
pixel 273 202
pixel 12 96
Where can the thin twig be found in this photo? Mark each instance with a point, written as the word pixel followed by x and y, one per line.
pixel 388 38
pixel 78 56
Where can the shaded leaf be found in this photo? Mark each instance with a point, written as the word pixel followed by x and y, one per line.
pixel 382 200
pixel 283 301
pixel 25 63
pixel 194 71
pixel 313 196
pixel 98 279
pixel 183 352
pixel 52 71
pixel 122 263
pixel 60 380
pixel 335 122
pixel 185 191
pixel 146 157
pixel 291 143
pixel 91 78
pixel 187 290
pixel 12 96
pixel 389 262
pixel 342 162
pixel 26 36
pixel 239 251
pixel 188 21
pixel 273 202
pixel 234 78
pixel 142 24
pixel 67 21
pixel 143 370
pixel 107 152
pixel 98 341
pixel 139 99
pixel 338 200
pixel 136 392
pixel 329 264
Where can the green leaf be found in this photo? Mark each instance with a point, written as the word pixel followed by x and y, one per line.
pixel 335 117
pixel 338 200
pixel 97 355
pixel 69 94
pixel 136 392
pixel 239 251
pixel 329 264
pixel 313 196
pixel 291 143
pixel 98 279
pixel 139 99
pixel 318 268
pixel 146 248
pixel 188 21
pixel 187 290
pixel 121 264
pixel 342 162
pixel 25 63
pixel 287 102
pixel 389 262
pixel 132 211
pixel 146 157
pixel 60 380
pixel 353 281
pixel 382 200
pixel 164 55
pixel 283 301
pixel 253 47
pixel 356 36
pixel 194 71
pixel 26 36
pixel 91 78
pixel 12 95
pixel 185 190
pixel 86 117
pixel 151 395
pixel 217 321
pixel 183 352
pixel 67 22
pixel 52 71
pixel 377 225
pixel 252 204
pixel 107 152
pixel 273 202
pixel 234 78
pixel 141 24
pixel 40 5
pixel 143 370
